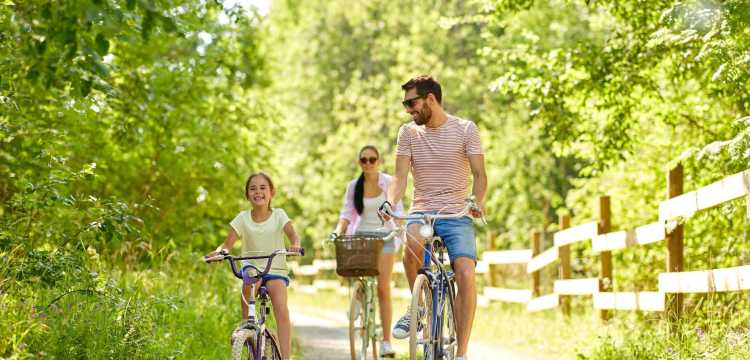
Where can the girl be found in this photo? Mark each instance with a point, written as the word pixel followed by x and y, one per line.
pixel 359 215
pixel 260 230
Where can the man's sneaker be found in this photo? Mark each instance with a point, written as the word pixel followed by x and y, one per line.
pixel 401 329
pixel 386 350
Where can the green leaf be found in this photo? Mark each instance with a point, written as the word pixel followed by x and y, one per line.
pixel 84 88
pixel 102 44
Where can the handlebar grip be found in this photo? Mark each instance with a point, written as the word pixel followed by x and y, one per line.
pixel 213 258
pixel 301 252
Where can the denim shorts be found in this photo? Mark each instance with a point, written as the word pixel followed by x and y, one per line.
pixel 389 247
pixel 267 277
pixel 457 235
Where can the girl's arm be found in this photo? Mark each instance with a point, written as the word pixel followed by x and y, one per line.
pixel 342 226
pixel 292 236
pixel 227 244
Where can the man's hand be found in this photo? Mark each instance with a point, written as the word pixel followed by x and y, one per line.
pixel 477 211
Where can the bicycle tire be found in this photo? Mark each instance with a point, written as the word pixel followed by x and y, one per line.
pixel 270 348
pixel 448 338
pixel 243 344
pixel 358 339
pixel 420 312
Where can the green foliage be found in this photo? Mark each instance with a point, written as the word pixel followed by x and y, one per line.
pixel 127 129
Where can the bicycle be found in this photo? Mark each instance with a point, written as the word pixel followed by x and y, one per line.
pixel 252 336
pixel 433 294
pixel 357 258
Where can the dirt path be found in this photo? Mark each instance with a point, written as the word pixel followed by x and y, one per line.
pixel 324 335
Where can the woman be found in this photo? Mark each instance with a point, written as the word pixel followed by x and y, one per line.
pixel 359 215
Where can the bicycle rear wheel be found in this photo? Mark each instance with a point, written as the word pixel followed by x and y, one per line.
pixel 420 346
pixel 358 339
pixel 243 344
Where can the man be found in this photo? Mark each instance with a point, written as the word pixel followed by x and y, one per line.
pixel 440 149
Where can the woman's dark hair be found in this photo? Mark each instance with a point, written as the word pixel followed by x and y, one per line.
pixel 359 188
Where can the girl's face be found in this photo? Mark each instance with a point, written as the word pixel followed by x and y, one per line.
pixel 369 161
pixel 259 192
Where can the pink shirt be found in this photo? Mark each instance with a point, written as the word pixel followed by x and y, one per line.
pixel 349 212
pixel 440 162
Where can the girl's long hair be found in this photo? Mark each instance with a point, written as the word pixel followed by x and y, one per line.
pixel 359 187
pixel 270 183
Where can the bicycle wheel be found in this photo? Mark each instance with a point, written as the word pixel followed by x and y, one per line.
pixel 358 339
pixel 420 346
pixel 449 340
pixel 243 344
pixel 270 348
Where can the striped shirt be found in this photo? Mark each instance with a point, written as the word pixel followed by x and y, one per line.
pixel 439 162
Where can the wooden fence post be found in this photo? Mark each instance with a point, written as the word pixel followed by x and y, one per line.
pixel 605 226
pixel 491 241
pixel 565 271
pixel 492 269
pixel 674 244
pixel 535 246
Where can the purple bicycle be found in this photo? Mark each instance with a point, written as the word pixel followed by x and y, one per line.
pixel 252 340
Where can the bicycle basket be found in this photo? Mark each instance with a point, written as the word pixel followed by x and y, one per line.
pixel 358 255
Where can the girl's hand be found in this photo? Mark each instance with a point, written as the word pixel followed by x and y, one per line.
pixel 296 249
pixel 215 252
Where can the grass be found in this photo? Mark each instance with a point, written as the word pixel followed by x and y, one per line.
pixel 582 336
pixel 61 307
pixel 183 310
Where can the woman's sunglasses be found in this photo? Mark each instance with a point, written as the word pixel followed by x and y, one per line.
pixel 363 160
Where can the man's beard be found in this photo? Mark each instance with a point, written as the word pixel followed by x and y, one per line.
pixel 423 117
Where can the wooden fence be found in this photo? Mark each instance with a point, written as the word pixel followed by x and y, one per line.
pixel 668 228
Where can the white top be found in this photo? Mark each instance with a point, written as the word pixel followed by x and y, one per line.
pixel 263 238
pixel 369 219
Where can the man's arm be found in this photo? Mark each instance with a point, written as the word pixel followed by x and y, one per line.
pixel 476 162
pixel 398 184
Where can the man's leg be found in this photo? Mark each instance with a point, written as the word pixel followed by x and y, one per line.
pixel 458 237
pixel 413 253
pixel 466 301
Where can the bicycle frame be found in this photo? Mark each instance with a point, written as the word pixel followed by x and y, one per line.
pixel 440 284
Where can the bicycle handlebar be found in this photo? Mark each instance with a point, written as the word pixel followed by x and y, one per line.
pixel 385 209
pixel 224 255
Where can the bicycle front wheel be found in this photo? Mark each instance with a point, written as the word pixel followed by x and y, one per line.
pixel 243 344
pixel 420 346
pixel 270 347
pixel 358 339
pixel 448 339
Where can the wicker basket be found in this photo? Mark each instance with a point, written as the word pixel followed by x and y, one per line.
pixel 358 255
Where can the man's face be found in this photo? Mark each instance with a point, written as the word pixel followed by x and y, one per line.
pixel 417 107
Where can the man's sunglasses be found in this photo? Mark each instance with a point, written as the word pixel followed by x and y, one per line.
pixel 364 160
pixel 409 103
